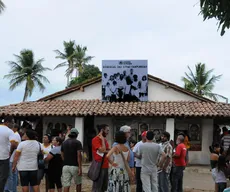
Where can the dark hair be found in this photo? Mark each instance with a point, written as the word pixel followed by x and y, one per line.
pixel 102 126
pixel 16 126
pixel 31 134
pixel 132 141
pixel 73 135
pixel 224 129
pixel 221 164
pixel 150 135
pixel 49 137
pixel 59 140
pixel 120 137
pixel 166 134
pixel 8 119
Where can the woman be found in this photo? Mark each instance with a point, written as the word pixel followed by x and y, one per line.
pixel 221 172
pixel 214 156
pixel 119 178
pixel 25 160
pixel 55 165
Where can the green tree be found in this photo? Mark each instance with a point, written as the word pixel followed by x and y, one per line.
pixel 81 59
pixel 2 6
pixel 27 70
pixel 90 71
pixel 68 55
pixel 201 82
pixel 218 9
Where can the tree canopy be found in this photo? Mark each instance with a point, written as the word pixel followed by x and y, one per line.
pixel 201 81
pixel 218 9
pixel 27 70
pixel 2 6
pixel 89 72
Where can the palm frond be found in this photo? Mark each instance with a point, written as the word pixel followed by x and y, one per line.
pixel 61 65
pixel 60 54
pixel 2 6
pixel 42 77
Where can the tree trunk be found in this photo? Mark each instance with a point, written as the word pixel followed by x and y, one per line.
pixel 25 93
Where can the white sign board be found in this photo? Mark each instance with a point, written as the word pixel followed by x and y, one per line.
pixel 124 80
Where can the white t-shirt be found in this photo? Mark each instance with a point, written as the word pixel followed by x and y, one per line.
pixel 17 139
pixel 29 152
pixel 6 135
pixel 136 150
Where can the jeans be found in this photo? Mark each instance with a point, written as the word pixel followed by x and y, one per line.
pixel 177 180
pixel 12 181
pixel 138 180
pixel 149 182
pixel 163 182
pixel 4 172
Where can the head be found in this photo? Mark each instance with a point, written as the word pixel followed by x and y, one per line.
pixel 47 139
pixel 111 78
pixel 30 135
pixel 180 139
pixel 216 148
pixel 127 130
pixel 132 143
pixel 120 137
pixel 114 83
pixel 143 127
pixel 149 136
pixel 8 120
pixel 103 130
pixel 224 129
pixel 144 78
pixel 57 141
pixel 135 78
pixel 181 133
pixel 165 137
pixel 143 136
pixel 15 127
pixel 131 71
pixel 73 133
pixel 105 75
pixel 121 76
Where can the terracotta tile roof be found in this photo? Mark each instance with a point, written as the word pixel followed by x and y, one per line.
pixel 98 108
pixel 98 79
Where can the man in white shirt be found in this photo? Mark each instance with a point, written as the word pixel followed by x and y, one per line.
pixel 7 135
pixel 138 162
pixel 12 182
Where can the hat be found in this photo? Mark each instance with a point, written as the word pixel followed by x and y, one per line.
pixel 144 134
pixel 74 130
pixel 125 128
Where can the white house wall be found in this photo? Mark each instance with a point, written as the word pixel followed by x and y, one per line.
pixel 157 92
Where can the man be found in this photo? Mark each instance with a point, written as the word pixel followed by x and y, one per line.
pixel 72 160
pixel 69 127
pixel 127 130
pixel 7 136
pixel 179 162
pixel 143 127
pixel 163 175
pixel 225 139
pixel 100 147
pixel 149 153
pixel 138 162
pixel 12 182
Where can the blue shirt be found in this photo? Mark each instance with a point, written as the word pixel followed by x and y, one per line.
pixel 131 154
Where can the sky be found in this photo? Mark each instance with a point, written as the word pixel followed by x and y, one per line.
pixel 169 35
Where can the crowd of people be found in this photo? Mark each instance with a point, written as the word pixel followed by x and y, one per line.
pixel 152 166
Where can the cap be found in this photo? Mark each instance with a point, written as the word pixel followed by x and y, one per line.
pixel 125 128
pixel 144 134
pixel 74 130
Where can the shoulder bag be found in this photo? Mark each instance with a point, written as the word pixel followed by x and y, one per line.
pixel 40 157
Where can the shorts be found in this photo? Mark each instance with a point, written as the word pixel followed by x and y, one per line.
pixel 42 173
pixel 55 180
pixel 28 178
pixel 69 172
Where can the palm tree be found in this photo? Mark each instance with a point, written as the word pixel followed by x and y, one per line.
pixel 68 56
pixel 201 82
pixel 81 59
pixel 2 6
pixel 27 70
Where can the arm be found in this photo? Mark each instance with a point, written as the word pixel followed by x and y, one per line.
pixel 48 158
pixel 163 157
pixel 109 156
pixel 177 153
pixel 16 158
pixel 168 157
pixel 79 160
pixel 101 149
pixel 13 146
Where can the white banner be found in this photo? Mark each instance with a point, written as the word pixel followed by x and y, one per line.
pixel 124 80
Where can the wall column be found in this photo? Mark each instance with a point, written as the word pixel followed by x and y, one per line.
pixel 79 124
pixel 170 124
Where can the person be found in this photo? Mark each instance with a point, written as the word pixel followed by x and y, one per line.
pixel 149 153
pixel 187 144
pixel 69 127
pixel 224 132
pixel 179 164
pixel 47 146
pixel 221 173
pixel 138 162
pixel 7 136
pixel 214 156
pixel 163 175
pixel 72 161
pixel 100 147
pixel 25 160
pixel 143 128
pixel 118 177
pixel 127 130
pixel 12 181
pixel 55 165
pixel 225 139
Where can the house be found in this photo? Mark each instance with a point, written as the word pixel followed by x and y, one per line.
pixel 169 107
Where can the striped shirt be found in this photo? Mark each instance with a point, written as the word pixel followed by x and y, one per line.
pixel 226 141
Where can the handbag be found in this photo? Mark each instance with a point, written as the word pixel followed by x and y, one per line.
pixel 40 157
pixel 95 169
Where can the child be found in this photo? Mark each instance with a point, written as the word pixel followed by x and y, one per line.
pixel 221 171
